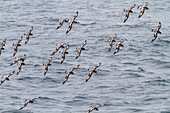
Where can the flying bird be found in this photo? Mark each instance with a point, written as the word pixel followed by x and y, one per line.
pixel 156 31
pixel 16 46
pixel 71 22
pixel 64 52
pixel 20 66
pixel 91 71
pixel 28 35
pixel 58 47
pixel 46 65
pixel 19 59
pixel 2 45
pixel 142 9
pixel 111 41
pixel 70 72
pixel 62 22
pixel 29 101
pixel 95 108
pixel 118 45
pixel 81 48
pixel 128 11
pixel 6 78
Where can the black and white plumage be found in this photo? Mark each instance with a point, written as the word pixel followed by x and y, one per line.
pixel 81 48
pixel 70 72
pixel 128 11
pixel 64 52
pixel 91 71
pixel 95 108
pixel 6 78
pixel 16 46
pixel 47 64
pixel 61 22
pixel 19 59
pixel 142 9
pixel 111 42
pixel 156 31
pixel 20 66
pixel 28 35
pixel 29 101
pixel 118 45
pixel 72 22
pixel 58 47
pixel 2 45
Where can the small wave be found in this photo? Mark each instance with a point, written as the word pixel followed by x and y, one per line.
pixel 26 78
pixel 76 102
pixel 168 111
pixel 16 111
pixel 159 82
pixel 133 75
pixel 14 97
pixel 80 97
pixel 135 110
pixel 93 23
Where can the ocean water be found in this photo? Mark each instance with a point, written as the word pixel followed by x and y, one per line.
pixel 136 79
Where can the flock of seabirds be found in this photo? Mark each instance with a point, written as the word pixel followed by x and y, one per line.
pixel 65 46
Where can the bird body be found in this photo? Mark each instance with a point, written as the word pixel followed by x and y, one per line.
pixel 29 101
pixel 127 12
pixel 58 47
pixel 6 78
pixel 47 64
pixel 64 52
pixel 16 46
pixel 28 35
pixel 19 59
pixel 142 9
pixel 2 45
pixel 70 72
pixel 118 45
pixel 62 22
pixel 71 22
pixel 95 108
pixel 81 48
pixel 156 31
pixel 91 71
pixel 111 41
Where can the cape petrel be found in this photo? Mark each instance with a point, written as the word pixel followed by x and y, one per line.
pixel 46 65
pixel 111 41
pixel 64 52
pixel 118 45
pixel 156 31
pixel 16 46
pixel 95 108
pixel 71 22
pixel 142 9
pixel 128 11
pixel 58 47
pixel 81 48
pixel 28 35
pixel 6 78
pixel 91 71
pixel 2 45
pixel 61 22
pixel 29 101
pixel 19 59
pixel 70 72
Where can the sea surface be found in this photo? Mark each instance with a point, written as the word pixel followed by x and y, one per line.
pixel 134 80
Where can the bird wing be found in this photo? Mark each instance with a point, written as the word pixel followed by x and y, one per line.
pixel 132 7
pixel 50 60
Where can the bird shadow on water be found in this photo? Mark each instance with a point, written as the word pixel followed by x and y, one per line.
pixel 17 111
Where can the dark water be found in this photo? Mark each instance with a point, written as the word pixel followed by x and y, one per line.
pixel 136 79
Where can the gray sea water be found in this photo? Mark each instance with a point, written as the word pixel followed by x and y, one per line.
pixel 136 79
